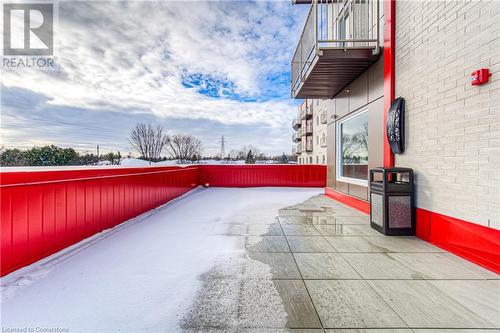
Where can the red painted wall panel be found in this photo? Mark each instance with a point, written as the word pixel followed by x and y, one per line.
pixel 19 227
pixel 389 71
pixel 6 228
pixel 263 175
pixel 35 210
pixel 361 205
pixel 471 241
pixel 43 212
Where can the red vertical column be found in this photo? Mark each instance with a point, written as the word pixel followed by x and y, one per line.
pixel 389 71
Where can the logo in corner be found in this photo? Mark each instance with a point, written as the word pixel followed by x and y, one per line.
pixel 28 29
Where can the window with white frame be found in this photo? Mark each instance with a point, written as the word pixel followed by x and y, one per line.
pixel 352 148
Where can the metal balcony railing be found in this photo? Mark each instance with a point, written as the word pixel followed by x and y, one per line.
pixel 298 148
pixel 296 136
pixel 309 109
pixel 334 25
pixel 322 141
pixel 296 123
pixel 306 110
pixel 309 145
pixel 309 127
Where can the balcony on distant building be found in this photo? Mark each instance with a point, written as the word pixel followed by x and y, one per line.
pixel 298 148
pixel 306 110
pixel 322 117
pixel 309 144
pixel 323 141
pixel 339 41
pixel 308 130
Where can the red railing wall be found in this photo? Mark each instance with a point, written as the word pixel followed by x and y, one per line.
pixel 43 212
pixel 263 175
pixel 471 241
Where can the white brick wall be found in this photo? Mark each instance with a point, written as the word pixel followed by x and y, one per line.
pixel 453 128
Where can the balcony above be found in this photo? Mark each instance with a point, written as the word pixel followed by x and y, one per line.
pixel 296 137
pixel 296 123
pixel 340 40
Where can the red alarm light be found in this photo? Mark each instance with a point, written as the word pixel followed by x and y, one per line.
pixel 481 76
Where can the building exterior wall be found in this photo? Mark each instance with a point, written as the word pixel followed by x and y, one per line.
pixel 318 155
pixel 366 92
pixel 319 129
pixel 452 127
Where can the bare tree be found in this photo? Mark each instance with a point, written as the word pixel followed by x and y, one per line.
pixel 183 147
pixel 243 152
pixel 355 144
pixel 148 140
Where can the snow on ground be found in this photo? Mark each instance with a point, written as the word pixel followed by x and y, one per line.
pixel 140 276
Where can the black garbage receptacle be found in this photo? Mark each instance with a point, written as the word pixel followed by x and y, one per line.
pixel 391 201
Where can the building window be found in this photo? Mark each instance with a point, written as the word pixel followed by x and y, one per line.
pixel 317 159
pixel 317 120
pixel 310 160
pixel 317 139
pixel 352 149
pixel 324 160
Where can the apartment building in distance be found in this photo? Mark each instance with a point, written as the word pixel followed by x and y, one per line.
pixel 310 132
pixel 442 59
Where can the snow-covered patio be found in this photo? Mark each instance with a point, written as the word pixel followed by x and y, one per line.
pixel 254 259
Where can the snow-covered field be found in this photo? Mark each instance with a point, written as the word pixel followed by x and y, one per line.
pixel 142 275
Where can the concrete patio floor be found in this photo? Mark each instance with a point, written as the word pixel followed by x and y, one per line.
pixel 253 260
pixel 321 263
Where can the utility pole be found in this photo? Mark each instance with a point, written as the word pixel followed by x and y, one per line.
pixel 97 149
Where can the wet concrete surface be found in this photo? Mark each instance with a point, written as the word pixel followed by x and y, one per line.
pixel 318 267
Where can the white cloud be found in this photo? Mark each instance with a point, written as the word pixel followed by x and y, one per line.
pixel 131 57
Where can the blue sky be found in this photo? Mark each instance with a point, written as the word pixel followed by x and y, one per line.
pixel 201 68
